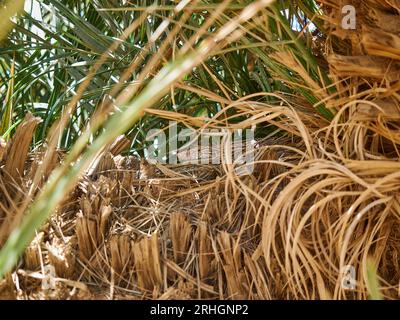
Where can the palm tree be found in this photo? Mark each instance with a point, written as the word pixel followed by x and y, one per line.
pixel 321 205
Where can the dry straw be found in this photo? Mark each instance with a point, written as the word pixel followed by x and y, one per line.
pixel 323 197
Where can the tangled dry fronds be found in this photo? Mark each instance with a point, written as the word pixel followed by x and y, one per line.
pixel 322 196
pixel 135 230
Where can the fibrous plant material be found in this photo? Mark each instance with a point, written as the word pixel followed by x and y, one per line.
pixel 32 255
pixel 61 255
pixel 181 233
pixel 146 254
pixel 18 147
pixel 321 203
pixel 12 173
pixel 364 66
